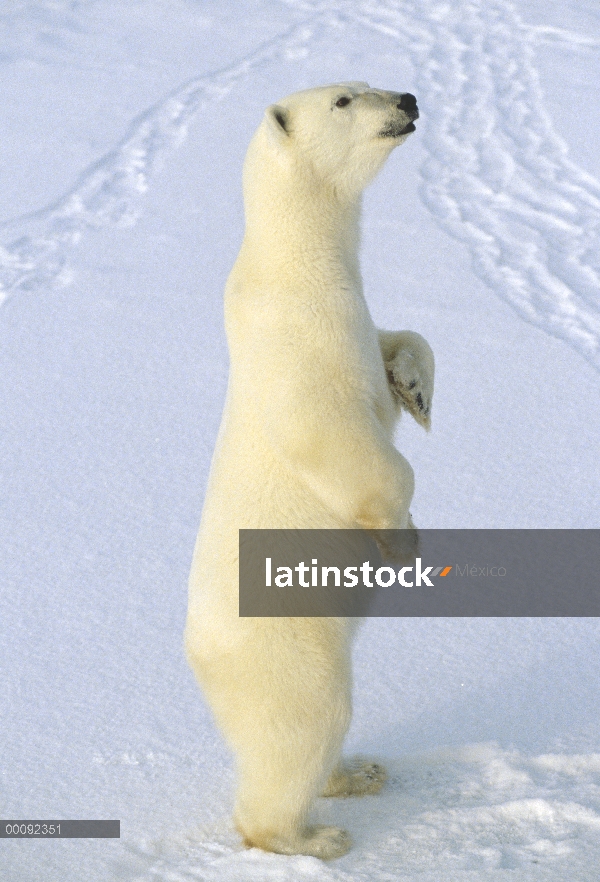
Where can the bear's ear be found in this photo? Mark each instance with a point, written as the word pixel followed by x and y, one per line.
pixel 278 122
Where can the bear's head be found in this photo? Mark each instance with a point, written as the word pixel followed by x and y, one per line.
pixel 338 136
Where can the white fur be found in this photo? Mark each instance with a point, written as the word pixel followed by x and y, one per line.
pixel 306 441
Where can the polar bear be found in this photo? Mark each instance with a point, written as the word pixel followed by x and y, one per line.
pixel 306 441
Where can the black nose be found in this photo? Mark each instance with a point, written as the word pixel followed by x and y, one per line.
pixel 407 102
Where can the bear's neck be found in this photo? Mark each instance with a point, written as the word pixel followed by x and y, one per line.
pixel 298 228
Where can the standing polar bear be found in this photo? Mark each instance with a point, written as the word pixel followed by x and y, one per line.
pixel 306 441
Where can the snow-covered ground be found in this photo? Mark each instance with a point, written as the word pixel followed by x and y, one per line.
pixel 123 127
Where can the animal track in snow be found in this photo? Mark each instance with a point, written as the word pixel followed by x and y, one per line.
pixel 496 176
pixel 110 191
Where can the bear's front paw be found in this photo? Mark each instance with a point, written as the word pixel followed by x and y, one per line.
pixel 412 385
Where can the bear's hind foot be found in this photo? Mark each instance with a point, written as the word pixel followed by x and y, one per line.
pixel 356 777
pixel 322 842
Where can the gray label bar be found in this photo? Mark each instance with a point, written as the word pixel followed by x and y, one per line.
pixel 419 573
pixel 60 829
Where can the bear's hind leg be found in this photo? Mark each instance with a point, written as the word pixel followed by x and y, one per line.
pixel 278 783
pixel 286 741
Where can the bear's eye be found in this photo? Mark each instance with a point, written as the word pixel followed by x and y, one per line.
pixel 342 102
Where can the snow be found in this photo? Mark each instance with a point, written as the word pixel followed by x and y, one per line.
pixel 123 129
